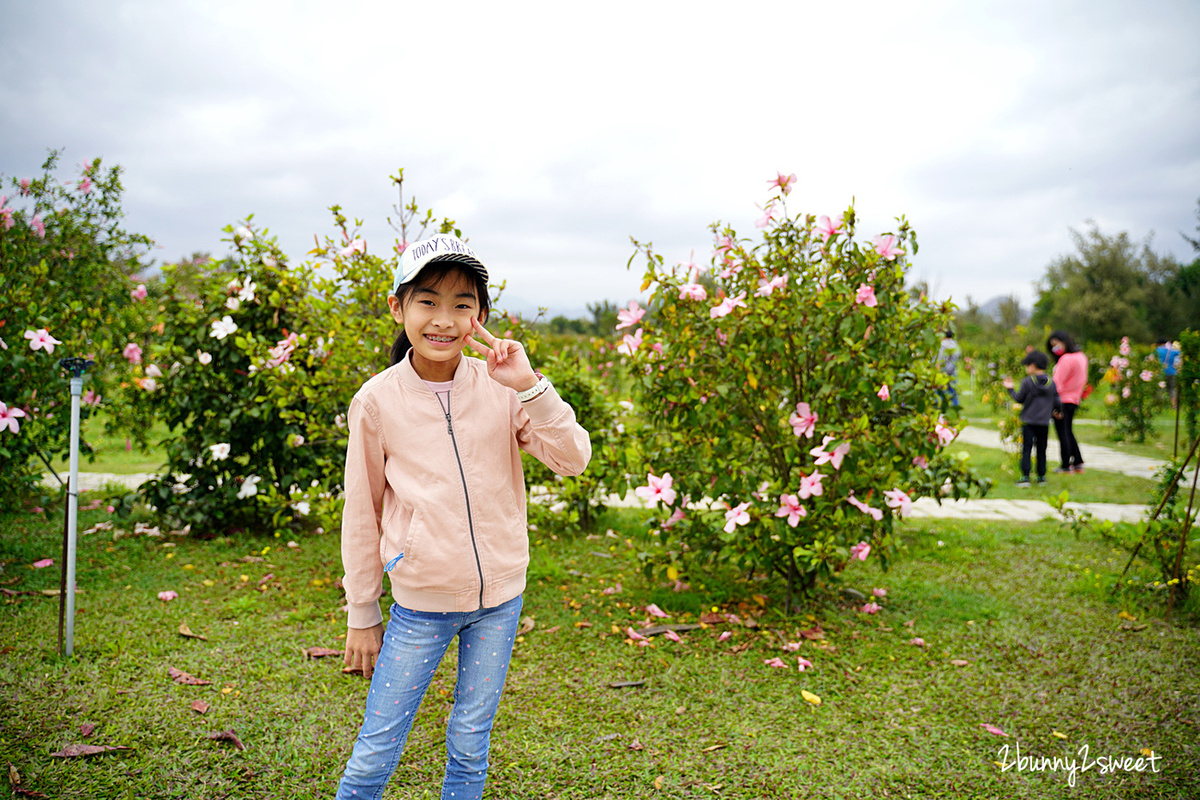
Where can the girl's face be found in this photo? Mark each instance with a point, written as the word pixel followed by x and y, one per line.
pixel 437 318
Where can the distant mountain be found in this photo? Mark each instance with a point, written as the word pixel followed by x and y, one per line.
pixel 991 309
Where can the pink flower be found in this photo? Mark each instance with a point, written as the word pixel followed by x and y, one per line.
pixel 614 589
pixel 676 517
pixel 810 485
pixel 803 663
pixel 860 551
pixel 1147 375
pixel 629 344
pixel 917 641
pixel 784 182
pixel 945 433
pixel 884 393
pixel 765 287
pixel 632 634
pixel 24 182
pixel 724 245
pixel 1124 349
pixel 828 227
pixel 804 421
pixel 791 647
pixel 90 398
pixel 654 611
pixel 40 339
pixel 38 226
pixel 866 295
pixel 85 186
pixel 887 246
pixel 400 247
pixel 168 595
pixel 920 462
pixel 776 662
pixel 789 506
pixel 630 316
pixel 870 608
pixel 692 291
pixel 724 636
pixel 9 417
pixel 768 216
pixel 875 513
pixel 672 635
pixel 736 516
pixel 899 500
pixel 45 562
pixel 727 305
pixel 879 592
pixel 356 246
pixel 834 458
pixel 1126 392
pixel 732 268
pixel 139 293
pixel 133 353
pixel 657 489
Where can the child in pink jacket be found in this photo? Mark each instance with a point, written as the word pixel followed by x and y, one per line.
pixel 435 497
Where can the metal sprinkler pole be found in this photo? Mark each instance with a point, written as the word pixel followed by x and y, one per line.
pixel 76 366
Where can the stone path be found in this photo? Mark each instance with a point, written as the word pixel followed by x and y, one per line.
pixel 1104 459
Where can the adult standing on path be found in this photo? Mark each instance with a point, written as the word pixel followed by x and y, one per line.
pixel 1070 376
pixel 947 361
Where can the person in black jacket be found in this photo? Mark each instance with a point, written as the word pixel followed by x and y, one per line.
pixel 1038 397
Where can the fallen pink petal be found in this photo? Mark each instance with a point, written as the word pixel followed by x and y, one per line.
pixel 724 636
pixel 987 726
pixel 168 595
pixel 654 611
pixel 42 564
pixel 776 662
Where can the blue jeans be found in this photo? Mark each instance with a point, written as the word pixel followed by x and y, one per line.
pixel 413 646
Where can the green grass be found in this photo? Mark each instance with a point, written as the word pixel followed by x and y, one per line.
pixel 110 453
pixel 1092 486
pixel 1025 606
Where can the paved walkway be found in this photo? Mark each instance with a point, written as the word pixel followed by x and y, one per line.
pixel 1104 459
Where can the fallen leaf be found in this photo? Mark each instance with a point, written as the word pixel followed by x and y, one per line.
pixel 992 729
pixel 322 652
pixel 200 706
pixel 625 684
pixel 636 745
pixel 711 618
pixel 527 624
pixel 184 630
pixel 228 736
pixel 1146 751
pixel 583 624
pixel 608 737
pixel 552 630
pixel 86 729
pixel 1134 628
pixel 714 747
pixel 352 671
pixel 22 792
pixel 14 777
pixel 77 750
pixel 658 782
pixel 958 662
pixel 810 697
pixel 1058 735
pixel 813 633
pixel 1121 615
pixel 182 677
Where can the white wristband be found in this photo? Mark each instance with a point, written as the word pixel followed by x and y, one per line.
pixel 542 385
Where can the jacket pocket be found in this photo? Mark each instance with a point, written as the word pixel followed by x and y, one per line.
pixel 392 541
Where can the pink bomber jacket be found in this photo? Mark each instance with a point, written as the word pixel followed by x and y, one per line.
pixel 1070 376
pixel 440 499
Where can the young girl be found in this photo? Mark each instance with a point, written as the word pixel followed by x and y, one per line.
pixel 435 497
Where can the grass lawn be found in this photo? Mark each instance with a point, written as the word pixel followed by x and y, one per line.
pixel 1019 633
pixel 1092 486
pixel 111 454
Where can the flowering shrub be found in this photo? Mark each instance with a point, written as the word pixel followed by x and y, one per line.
pixel 790 398
pixel 1132 393
pixel 69 289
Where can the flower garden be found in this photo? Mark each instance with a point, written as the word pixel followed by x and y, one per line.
pixel 776 410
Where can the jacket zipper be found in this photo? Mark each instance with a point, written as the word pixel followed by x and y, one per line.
pixel 470 523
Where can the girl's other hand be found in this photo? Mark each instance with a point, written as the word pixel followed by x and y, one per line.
pixel 507 362
pixel 362 648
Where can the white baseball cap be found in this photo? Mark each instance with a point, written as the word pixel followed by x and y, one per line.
pixel 443 247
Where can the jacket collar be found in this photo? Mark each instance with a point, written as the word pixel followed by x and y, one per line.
pixel 408 373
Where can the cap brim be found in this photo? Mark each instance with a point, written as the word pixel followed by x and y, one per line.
pixel 456 258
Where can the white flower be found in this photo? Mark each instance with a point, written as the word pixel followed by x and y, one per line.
pixel 220 452
pixel 249 487
pixel 268 260
pixel 153 371
pixel 246 294
pixel 340 420
pixel 204 358
pixel 149 384
pixel 625 404
pixel 296 440
pixel 223 327
pixel 241 235
pixel 233 303
pixel 303 507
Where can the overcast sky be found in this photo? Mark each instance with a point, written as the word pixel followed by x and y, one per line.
pixel 552 132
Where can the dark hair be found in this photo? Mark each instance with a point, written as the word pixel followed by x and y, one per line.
pixel 1037 358
pixel 430 278
pixel 1067 340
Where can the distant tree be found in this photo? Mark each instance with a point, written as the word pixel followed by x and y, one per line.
pixel 1010 312
pixel 1111 287
pixel 604 317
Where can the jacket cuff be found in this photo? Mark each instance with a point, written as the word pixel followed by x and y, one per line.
pixel 545 407
pixel 367 615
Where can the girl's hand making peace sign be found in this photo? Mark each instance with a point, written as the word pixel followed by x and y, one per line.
pixel 507 362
